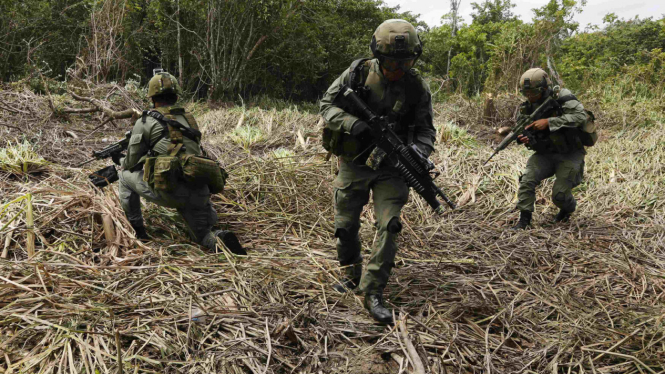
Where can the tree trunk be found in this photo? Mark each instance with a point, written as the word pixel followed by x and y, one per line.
pixel 179 50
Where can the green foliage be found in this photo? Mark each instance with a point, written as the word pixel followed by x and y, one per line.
pixel 283 48
pixel 493 11
pixel 623 47
pixel 496 48
pixel 271 52
pixel 452 134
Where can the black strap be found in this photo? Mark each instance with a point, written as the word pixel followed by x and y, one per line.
pixel 189 132
pixel 192 134
pixel 355 75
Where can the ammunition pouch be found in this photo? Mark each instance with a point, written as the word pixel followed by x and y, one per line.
pixel 341 144
pixel 162 173
pixel 332 141
pixel 202 170
pixel 588 134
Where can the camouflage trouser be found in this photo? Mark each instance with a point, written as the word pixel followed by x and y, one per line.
pixel 193 204
pixel 568 168
pixel 390 192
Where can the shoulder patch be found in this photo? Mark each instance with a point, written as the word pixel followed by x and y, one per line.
pixel 135 139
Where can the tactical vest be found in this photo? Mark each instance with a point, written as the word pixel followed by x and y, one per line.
pixel 564 140
pixel 400 108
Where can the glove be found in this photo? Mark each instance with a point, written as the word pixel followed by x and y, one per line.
pixel 360 129
pixel 116 157
pixel 424 149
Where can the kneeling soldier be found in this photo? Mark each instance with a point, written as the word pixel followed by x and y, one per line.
pixel 393 88
pixel 164 165
pixel 558 143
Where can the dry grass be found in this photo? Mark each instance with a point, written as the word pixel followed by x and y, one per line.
pixel 580 297
pixel 20 158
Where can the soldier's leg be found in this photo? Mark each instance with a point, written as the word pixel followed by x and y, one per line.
pixel 130 201
pixel 569 169
pixel 130 190
pixel 390 194
pixel 351 195
pixel 198 214
pixel 538 168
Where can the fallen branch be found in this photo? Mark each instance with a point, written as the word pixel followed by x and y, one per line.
pixel 100 107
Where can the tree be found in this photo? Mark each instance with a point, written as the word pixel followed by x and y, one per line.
pixel 493 11
pixel 454 14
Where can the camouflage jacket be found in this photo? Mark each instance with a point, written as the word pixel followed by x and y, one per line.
pixel 565 122
pixel 407 102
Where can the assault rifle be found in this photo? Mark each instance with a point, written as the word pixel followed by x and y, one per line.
pixel 110 150
pixel 414 167
pixel 525 121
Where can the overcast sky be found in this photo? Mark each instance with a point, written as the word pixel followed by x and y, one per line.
pixel 431 10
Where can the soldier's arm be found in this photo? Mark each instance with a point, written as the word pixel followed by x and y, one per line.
pixel 425 133
pixel 138 146
pixel 573 116
pixel 336 118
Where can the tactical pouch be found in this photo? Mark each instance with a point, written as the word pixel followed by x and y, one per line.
pixel 148 171
pixel 104 177
pixel 166 171
pixel 332 141
pixel 201 170
pixel 588 135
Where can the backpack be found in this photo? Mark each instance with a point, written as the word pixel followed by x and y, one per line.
pixel 588 132
pixel 164 172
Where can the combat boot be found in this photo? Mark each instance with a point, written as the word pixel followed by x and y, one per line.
pixel 562 216
pixel 139 228
pixel 231 242
pixel 525 220
pixel 374 304
pixel 346 284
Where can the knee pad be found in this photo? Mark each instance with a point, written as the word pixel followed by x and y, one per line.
pixel 561 197
pixel 394 226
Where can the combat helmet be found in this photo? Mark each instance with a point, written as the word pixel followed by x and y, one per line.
pixel 535 79
pixel 396 39
pixel 163 83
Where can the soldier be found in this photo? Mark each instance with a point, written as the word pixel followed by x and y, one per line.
pixel 558 145
pixel 161 139
pixel 391 87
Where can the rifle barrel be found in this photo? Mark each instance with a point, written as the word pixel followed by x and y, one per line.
pixel 85 162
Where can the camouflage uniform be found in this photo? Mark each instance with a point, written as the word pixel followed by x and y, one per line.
pixel 408 101
pixel 192 202
pixel 560 153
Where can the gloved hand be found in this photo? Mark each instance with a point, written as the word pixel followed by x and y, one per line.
pixel 424 149
pixel 116 157
pixel 360 129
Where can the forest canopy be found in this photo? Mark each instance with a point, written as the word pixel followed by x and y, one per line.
pixel 293 49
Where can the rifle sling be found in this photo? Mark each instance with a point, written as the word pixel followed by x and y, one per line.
pixel 189 132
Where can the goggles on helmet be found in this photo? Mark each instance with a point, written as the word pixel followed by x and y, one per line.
pixel 531 92
pixel 393 65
